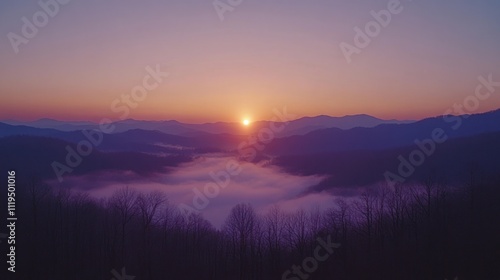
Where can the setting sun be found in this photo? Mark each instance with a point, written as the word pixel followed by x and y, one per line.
pixel 246 122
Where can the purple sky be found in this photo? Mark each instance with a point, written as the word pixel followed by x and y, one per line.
pixel 265 54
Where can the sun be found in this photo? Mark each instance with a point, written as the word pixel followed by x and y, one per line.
pixel 246 122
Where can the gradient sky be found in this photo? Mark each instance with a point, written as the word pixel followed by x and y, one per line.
pixel 265 54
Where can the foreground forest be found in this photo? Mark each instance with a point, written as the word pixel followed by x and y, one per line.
pixel 427 231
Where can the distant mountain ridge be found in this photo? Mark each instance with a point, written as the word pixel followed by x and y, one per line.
pixel 134 140
pixel 295 127
pixel 343 154
pixel 145 136
pixel 34 156
pixel 384 136
pixel 452 162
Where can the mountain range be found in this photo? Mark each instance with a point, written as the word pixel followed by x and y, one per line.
pixel 294 127
pixel 348 151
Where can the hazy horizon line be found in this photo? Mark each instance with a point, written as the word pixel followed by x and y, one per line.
pixel 232 122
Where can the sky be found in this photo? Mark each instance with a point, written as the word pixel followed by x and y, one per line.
pixel 264 54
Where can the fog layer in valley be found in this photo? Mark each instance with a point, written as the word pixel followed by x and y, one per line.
pixel 258 184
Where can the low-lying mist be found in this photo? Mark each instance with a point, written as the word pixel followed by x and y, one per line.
pixel 260 184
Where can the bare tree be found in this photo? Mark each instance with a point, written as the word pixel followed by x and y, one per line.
pixel 297 230
pixel 274 223
pixel 397 204
pixel 123 203
pixel 365 207
pixel 37 193
pixel 239 225
pixel 148 206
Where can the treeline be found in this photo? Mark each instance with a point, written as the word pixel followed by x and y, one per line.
pixel 428 231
